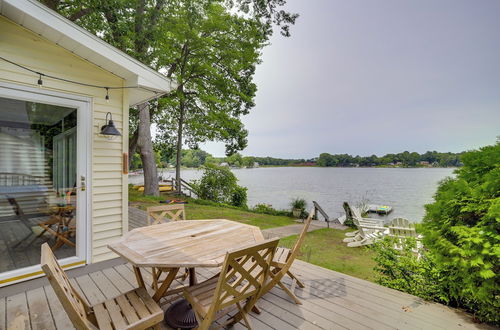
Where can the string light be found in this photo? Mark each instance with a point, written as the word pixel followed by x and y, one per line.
pixel 40 82
pixel 107 88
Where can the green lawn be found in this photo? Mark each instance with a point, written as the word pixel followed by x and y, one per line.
pixel 198 211
pixel 324 247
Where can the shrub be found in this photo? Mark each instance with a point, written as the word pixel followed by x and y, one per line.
pixel 403 270
pixel 218 184
pixel 298 203
pixel 462 245
pixel 267 209
pixel 461 231
pixel 239 196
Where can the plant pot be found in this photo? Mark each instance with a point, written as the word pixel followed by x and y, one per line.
pixel 296 212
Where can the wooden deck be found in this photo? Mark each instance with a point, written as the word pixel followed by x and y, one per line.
pixel 331 300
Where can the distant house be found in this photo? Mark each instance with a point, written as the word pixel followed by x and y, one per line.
pixel 54 158
pixel 256 164
pixel 424 163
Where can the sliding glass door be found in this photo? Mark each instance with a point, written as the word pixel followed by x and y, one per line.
pixel 43 170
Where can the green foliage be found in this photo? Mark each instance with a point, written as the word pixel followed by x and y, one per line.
pixel 219 184
pixel 239 196
pixel 462 232
pixel 298 203
pixel 403 270
pixel 211 53
pixel 403 159
pixel 267 209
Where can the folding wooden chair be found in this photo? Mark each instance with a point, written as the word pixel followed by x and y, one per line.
pixel 158 214
pixel 284 258
pixel 161 214
pixel 241 279
pixel 132 310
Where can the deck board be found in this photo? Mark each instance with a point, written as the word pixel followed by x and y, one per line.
pixel 59 316
pixel 330 300
pixel 40 314
pixel 2 313
pixel 17 314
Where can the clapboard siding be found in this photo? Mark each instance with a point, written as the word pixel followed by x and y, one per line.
pixel 109 193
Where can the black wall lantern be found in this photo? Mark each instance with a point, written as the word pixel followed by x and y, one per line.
pixel 109 129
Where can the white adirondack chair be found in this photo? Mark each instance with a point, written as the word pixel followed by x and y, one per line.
pixel 355 214
pixel 402 228
pixel 367 233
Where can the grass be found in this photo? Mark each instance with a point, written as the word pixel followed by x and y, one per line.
pixel 324 247
pixel 196 211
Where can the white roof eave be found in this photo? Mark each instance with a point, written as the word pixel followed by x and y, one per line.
pixel 38 18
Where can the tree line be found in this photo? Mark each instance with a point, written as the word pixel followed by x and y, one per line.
pixel 196 157
pixel 402 159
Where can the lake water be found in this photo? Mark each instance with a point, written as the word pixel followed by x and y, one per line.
pixel 407 190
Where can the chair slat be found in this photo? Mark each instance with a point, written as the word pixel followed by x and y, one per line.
pixel 127 309
pixel 115 314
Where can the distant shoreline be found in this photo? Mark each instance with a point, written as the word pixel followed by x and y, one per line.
pixel 300 166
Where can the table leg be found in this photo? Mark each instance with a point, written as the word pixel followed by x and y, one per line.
pixel 138 276
pixel 165 285
pixel 192 277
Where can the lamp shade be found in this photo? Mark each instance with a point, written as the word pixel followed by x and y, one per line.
pixel 109 128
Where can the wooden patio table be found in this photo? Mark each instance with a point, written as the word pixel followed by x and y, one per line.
pixel 182 244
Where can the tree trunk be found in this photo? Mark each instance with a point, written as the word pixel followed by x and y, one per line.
pixel 132 147
pixel 179 147
pixel 145 144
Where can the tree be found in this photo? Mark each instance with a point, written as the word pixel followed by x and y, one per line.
pixel 218 184
pixel 212 52
pixel 142 29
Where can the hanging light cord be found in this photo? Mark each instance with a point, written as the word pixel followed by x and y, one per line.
pixel 41 74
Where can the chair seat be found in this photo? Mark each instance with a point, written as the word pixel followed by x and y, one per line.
pixel 201 295
pixel 281 256
pixel 130 310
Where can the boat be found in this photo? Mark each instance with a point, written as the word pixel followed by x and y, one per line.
pixel 379 209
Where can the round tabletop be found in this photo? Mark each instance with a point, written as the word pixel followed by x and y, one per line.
pixel 186 243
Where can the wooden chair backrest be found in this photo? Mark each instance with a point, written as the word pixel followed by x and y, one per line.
pixel 76 308
pixel 302 237
pixel 402 227
pixel 348 211
pixel 243 274
pixel 158 214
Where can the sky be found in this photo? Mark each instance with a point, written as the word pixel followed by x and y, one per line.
pixel 374 77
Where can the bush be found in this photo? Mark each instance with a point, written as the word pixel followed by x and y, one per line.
pixel 218 184
pixel 298 203
pixel 239 197
pixel 267 209
pixel 460 264
pixel 461 232
pixel 403 270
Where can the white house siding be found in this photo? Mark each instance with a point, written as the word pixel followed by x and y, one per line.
pixel 109 196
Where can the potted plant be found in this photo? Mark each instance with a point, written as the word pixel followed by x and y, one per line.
pixel 298 206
